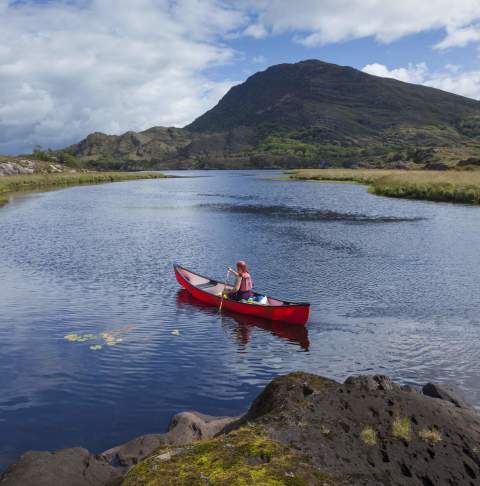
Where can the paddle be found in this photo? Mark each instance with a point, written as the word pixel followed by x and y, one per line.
pixel 223 291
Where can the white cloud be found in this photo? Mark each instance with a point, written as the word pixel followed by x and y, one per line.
pixel 463 83
pixel 69 69
pixel 460 37
pixel 453 68
pixel 411 74
pixel 257 31
pixel 327 21
pixel 259 60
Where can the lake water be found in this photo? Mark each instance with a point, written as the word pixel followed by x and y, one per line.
pixel 394 285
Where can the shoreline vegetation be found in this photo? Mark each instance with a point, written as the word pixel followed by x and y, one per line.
pixel 441 186
pixel 10 185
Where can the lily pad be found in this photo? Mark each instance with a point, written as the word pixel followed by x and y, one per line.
pixel 71 337
pixel 110 338
pixel 89 336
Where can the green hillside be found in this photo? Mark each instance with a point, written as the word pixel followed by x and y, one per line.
pixel 308 114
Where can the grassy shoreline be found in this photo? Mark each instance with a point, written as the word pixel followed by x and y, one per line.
pixel 441 186
pixel 20 183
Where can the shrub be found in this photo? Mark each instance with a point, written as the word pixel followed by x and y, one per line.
pixel 369 436
pixel 432 436
pixel 401 428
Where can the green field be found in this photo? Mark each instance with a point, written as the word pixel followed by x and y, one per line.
pixel 19 183
pixel 447 186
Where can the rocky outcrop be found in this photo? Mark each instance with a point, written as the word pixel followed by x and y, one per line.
pixel 72 467
pixel 78 467
pixel 14 166
pixel 157 143
pixel 372 430
pixel 450 393
pixel 470 162
pixel 302 429
pixel 17 167
pixel 184 428
pixel 436 166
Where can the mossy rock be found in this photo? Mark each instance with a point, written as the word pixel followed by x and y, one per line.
pixel 244 457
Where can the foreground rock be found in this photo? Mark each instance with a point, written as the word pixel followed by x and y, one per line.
pixel 184 428
pixel 304 429
pixel 78 467
pixel 301 430
pixel 72 467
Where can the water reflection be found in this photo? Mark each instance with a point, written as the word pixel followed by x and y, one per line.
pixel 399 298
pixel 241 327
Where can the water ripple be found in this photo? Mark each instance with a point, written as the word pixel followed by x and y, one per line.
pixel 399 299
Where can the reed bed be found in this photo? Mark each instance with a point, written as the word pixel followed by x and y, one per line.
pixel 30 182
pixel 447 186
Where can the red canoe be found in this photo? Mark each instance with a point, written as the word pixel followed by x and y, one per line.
pixel 209 291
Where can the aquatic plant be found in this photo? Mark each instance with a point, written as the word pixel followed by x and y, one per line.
pixel 71 337
pixel 448 186
pixel 109 338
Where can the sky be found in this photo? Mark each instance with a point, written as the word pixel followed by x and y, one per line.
pixel 72 67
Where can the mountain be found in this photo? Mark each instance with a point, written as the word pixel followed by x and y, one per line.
pixel 311 114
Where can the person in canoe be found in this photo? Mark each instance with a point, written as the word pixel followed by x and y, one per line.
pixel 242 290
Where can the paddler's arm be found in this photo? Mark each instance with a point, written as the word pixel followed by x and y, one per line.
pixel 238 282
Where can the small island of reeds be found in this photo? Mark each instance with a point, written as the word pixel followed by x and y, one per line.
pixel 447 186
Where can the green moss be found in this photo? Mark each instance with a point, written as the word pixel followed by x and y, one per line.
pixel 431 436
pixel 325 430
pixel 369 436
pixel 244 457
pixel 402 428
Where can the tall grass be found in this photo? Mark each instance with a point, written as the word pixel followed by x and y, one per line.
pixel 448 186
pixel 18 183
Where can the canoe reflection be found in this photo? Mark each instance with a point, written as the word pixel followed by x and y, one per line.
pixel 245 324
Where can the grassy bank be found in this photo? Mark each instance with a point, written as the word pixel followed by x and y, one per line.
pixel 19 183
pixel 447 186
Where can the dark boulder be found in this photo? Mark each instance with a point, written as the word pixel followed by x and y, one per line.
pixel 450 393
pixel 372 430
pixel 366 431
pixel 472 161
pixel 72 467
pixel 437 166
pixel 285 393
pixel 371 382
pixel 184 428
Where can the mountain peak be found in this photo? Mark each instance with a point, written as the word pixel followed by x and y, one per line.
pixel 311 92
pixel 310 112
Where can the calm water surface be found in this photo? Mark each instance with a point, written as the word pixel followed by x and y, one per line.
pixel 395 288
